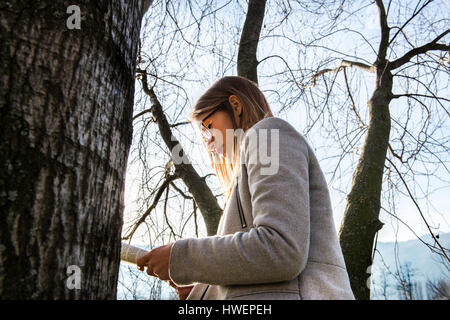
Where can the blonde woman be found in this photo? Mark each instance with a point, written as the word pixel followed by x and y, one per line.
pixel 276 238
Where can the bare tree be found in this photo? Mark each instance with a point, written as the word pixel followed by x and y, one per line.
pixel 383 284
pixel 400 53
pixel 407 287
pixel 439 290
pixel 66 103
pixel 202 195
pixel 197 186
pixel 164 26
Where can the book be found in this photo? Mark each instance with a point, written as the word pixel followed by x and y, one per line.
pixel 130 253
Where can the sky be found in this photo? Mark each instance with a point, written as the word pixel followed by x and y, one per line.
pixel 207 68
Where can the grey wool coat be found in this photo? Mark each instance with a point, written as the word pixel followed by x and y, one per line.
pixel 285 246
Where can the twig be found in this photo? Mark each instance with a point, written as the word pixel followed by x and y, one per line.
pixel 153 206
pixel 418 208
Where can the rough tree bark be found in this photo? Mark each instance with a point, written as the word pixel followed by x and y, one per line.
pixel 66 100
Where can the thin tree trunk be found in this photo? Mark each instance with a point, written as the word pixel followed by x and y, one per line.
pixel 66 100
pixel 197 186
pixel 248 44
pixel 360 222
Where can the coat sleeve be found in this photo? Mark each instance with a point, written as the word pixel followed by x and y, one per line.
pixel 276 248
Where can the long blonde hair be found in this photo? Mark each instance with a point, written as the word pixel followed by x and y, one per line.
pixel 254 109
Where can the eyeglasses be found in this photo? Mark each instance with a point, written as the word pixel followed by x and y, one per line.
pixel 205 129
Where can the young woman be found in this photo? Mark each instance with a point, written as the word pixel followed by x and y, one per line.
pixel 276 238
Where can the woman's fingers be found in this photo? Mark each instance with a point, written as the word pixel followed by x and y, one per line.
pixel 157 262
pixel 150 272
pixel 142 261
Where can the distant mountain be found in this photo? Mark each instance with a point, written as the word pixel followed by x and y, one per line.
pixel 394 261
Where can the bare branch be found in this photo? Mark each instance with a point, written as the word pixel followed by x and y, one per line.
pixel 433 45
pixel 165 213
pixel 344 64
pixel 418 208
pixel 142 113
pixel 395 96
pixel 158 195
pixel 352 100
pixel 407 21
pixel 179 124
pixel 431 247
pixel 437 99
pixel 358 65
pixel 414 95
pixel 384 42
pixel 180 191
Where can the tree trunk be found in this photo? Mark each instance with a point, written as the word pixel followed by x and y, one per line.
pixel 197 186
pixel 66 100
pixel 360 222
pixel 248 44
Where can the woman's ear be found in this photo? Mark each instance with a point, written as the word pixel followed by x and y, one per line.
pixel 236 105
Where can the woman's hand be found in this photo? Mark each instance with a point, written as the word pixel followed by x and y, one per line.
pixel 183 292
pixel 157 262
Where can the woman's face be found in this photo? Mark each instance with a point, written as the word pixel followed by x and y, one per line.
pixel 217 125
